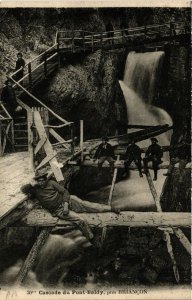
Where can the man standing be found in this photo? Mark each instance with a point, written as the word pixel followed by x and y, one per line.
pixel 20 64
pixel 8 97
pixel 154 153
pixel 105 152
pixel 133 153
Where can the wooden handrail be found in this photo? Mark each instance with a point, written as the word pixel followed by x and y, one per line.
pixel 34 59
pixel 42 104
pixel 135 31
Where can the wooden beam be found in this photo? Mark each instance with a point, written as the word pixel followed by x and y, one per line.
pixel 48 147
pixel 59 138
pixel 166 233
pixel 30 139
pixel 118 164
pixel 113 182
pixel 81 138
pixel 16 213
pixel 31 258
pixel 183 239
pixel 41 218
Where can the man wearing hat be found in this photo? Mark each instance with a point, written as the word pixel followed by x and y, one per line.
pixel 154 153
pixel 105 152
pixel 8 97
pixel 55 198
pixel 20 64
pixel 133 153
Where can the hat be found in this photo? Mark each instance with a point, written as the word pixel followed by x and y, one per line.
pixel 154 139
pixel 105 138
pixel 40 174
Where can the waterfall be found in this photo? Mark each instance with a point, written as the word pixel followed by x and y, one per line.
pixel 138 85
pixel 141 72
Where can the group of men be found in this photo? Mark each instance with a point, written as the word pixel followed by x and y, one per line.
pixel 8 97
pixel 133 153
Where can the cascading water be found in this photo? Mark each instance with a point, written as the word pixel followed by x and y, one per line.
pixel 138 85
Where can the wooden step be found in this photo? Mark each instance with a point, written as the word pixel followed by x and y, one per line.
pixel 21 138
pixel 20 124
pixel 18 145
pixel 19 118
pixel 22 130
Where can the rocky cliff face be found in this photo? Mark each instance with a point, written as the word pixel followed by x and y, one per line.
pixel 88 90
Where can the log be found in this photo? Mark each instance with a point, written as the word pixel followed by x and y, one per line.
pixel 166 233
pixel 16 214
pixel 29 262
pixel 118 164
pixel 41 218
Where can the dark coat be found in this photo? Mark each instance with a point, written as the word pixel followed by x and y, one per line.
pixel 102 151
pixel 20 63
pixel 154 150
pixel 133 151
pixel 9 98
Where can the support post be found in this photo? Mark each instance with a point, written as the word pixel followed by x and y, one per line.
pixel 72 138
pixel 81 138
pixel 12 134
pixel 30 139
pixel 113 183
pixel 92 42
pixel 58 50
pixel 83 34
pixel 166 233
pixel 30 260
pixel 101 38
pixel 30 77
pixel 45 64
pixel 72 42
pixel 1 139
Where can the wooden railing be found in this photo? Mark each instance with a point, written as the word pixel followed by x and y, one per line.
pixel 6 129
pixel 85 40
pixel 38 68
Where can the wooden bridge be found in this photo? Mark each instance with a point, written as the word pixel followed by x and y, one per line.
pixel 46 147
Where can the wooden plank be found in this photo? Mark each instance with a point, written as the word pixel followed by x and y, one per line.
pixel 183 239
pixel 40 144
pixel 81 138
pixel 32 256
pixel 46 160
pixel 59 138
pixel 41 218
pixel 48 147
pixel 6 137
pixel 1 151
pixel 166 233
pixel 113 182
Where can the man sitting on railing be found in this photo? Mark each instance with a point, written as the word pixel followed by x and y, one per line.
pixel 105 152
pixel 20 64
pixel 8 98
pixel 154 153
pixel 133 153
pixel 53 197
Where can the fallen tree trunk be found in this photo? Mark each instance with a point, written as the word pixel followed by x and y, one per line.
pixel 41 218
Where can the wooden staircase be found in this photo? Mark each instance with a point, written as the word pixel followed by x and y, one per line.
pixel 20 133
